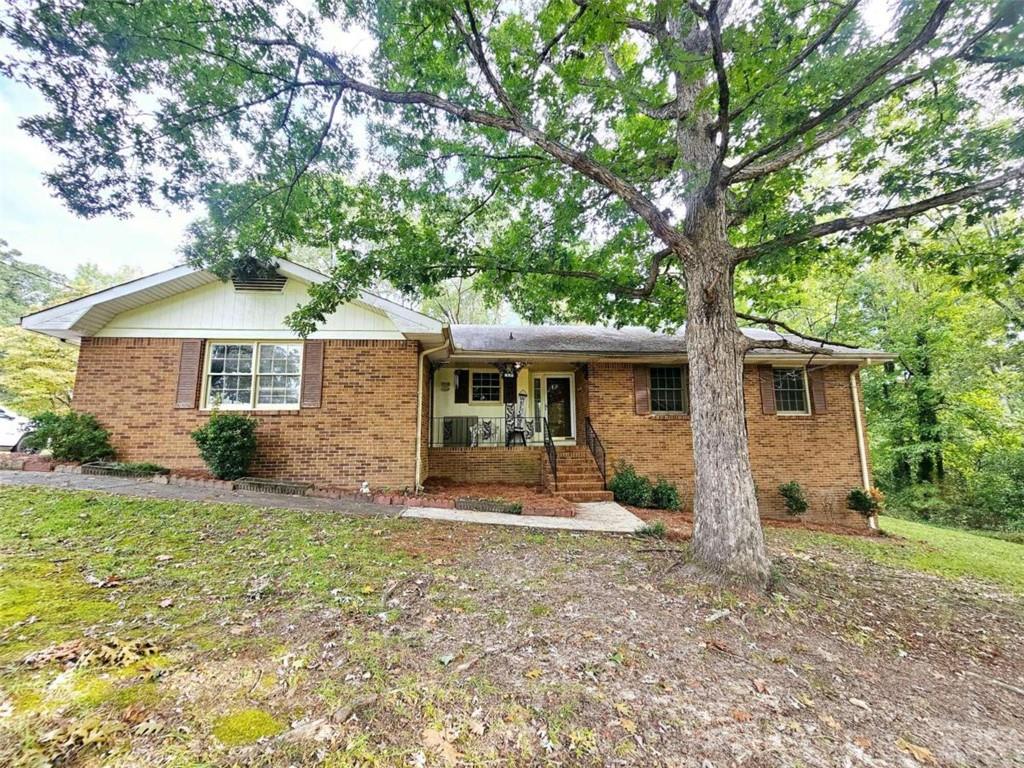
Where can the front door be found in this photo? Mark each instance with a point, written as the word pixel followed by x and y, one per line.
pixel 557 393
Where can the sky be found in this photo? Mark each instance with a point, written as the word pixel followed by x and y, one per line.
pixel 37 224
pixel 33 221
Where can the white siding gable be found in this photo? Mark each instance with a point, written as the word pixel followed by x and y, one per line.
pixel 217 310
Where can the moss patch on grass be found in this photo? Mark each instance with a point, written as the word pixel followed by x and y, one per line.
pixel 246 726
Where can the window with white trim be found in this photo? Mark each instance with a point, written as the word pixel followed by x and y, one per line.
pixel 669 390
pixel 253 375
pixel 485 387
pixel 790 390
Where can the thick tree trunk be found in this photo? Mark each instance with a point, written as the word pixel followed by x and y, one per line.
pixel 727 536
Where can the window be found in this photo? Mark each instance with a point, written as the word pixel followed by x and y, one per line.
pixel 669 390
pixel 485 387
pixel 790 390
pixel 253 375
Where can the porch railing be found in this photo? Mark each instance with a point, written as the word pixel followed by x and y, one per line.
pixel 549 446
pixel 596 448
pixel 467 431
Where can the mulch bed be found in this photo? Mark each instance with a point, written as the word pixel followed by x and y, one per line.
pixel 679 525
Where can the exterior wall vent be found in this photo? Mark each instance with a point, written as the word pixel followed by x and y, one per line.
pixel 268 283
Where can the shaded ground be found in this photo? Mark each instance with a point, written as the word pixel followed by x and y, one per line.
pixel 301 637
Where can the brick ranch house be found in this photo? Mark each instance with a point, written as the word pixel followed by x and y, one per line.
pixel 387 396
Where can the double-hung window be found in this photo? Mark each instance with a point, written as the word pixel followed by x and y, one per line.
pixel 253 375
pixel 485 387
pixel 791 390
pixel 669 390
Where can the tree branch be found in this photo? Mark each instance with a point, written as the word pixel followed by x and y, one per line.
pixel 910 210
pixel 825 35
pixel 840 103
pixel 778 324
pixel 722 78
pixel 840 127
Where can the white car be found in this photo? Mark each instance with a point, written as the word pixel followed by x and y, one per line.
pixel 12 427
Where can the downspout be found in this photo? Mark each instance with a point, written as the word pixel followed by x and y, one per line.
pixel 419 410
pixel 862 454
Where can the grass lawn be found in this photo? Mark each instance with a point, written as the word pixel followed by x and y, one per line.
pixel 142 632
pixel 931 549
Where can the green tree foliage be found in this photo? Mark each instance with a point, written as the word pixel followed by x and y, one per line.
pixel 23 286
pixel 585 160
pixel 37 373
pixel 946 419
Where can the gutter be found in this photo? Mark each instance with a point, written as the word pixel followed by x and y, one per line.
pixel 865 474
pixel 419 408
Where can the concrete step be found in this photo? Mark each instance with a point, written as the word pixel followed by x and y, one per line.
pixel 581 496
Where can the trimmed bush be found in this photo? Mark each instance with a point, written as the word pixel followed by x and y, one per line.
pixel 665 495
pixel 866 503
pixel 629 487
pixel 793 495
pixel 227 444
pixel 70 436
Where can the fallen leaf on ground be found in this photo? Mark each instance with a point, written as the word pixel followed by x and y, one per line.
pixel 436 740
pixel 760 685
pixel 921 754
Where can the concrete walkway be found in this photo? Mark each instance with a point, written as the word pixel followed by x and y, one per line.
pixel 603 516
pixel 145 489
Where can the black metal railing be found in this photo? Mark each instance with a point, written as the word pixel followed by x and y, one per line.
pixel 467 431
pixel 549 446
pixel 596 448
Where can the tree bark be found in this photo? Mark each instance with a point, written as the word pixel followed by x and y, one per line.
pixel 727 535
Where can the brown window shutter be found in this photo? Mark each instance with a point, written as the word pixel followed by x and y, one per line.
pixel 816 376
pixel 461 386
pixel 685 370
pixel 642 389
pixel 189 363
pixel 312 374
pixel 767 382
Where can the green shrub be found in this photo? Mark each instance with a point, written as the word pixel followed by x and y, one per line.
pixel 653 530
pixel 665 495
pixel 142 467
pixel 862 501
pixel 793 495
pixel 70 436
pixel 227 444
pixel 629 487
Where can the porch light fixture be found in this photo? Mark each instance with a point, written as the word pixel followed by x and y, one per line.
pixel 509 370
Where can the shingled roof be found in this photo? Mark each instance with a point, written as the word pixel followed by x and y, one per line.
pixel 595 340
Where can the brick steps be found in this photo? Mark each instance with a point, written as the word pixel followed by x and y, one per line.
pixel 578 497
pixel 578 477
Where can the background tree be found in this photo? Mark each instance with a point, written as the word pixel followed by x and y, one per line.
pixel 37 373
pixel 947 417
pixel 627 157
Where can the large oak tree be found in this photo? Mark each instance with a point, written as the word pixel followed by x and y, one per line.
pixel 625 160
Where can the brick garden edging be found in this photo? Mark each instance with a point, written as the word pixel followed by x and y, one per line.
pixel 30 462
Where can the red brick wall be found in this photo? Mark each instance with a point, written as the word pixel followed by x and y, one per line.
pixel 518 464
pixel 365 428
pixel 818 451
